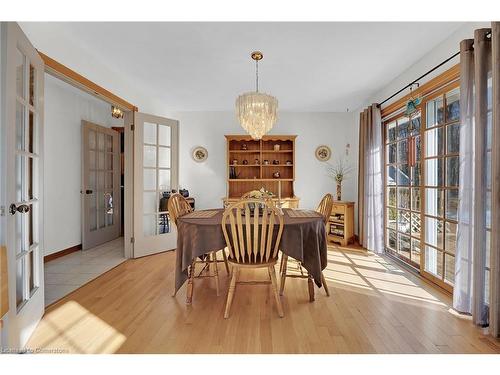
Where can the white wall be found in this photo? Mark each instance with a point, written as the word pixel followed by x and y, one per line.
pixel 65 108
pixel 207 181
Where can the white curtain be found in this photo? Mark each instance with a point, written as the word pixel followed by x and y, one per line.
pixel 476 275
pixel 370 194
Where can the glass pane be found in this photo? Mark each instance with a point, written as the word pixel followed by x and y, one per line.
pixel 450 237
pixel 434 112
pixel 453 105
pixel 92 141
pixel 149 225
pixel 20 178
pixel 434 142
pixel 163 224
pixel 452 204
pixel 434 172
pixel 403 175
pixel 434 232
pixel 418 147
pixel 109 181
pixel 31 129
pixel 391 239
pixel 416 175
pixel 93 217
pixel 100 181
pixel 101 216
pixel 391 132
pixel 453 138
pixel 415 250
pixel 109 208
pixel 32 85
pixel 150 133
pixel 449 269
pixel 163 201
pixel 403 151
pixel 391 218
pixel 30 271
pixel 19 281
pixel 433 261
pixel 403 127
pixel 164 179
pixel 100 141
pixel 109 162
pixel 452 171
pixel 403 197
pixel 92 182
pixel 92 161
pixel 30 182
pixel 29 227
pixel 20 73
pixel 20 132
pixel 391 175
pixel 488 170
pixel 149 179
pixel 415 224
pixel 415 199
pixel 149 156
pixel 434 202
pixel 404 221
pixel 164 135
pixel 391 153
pixel 415 124
pixel 109 143
pixel 20 231
pixel 391 196
pixel 100 160
pixel 149 202
pixel 404 246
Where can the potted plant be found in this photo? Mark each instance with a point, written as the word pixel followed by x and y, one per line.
pixel 339 172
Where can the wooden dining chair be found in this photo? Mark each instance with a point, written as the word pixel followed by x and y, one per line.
pixel 253 240
pixel 177 207
pixel 325 209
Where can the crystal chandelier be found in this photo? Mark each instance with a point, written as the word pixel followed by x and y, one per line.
pixel 257 112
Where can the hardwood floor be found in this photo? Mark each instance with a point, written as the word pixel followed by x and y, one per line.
pixel 375 307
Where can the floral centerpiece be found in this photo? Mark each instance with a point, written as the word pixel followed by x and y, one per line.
pixel 339 171
pixel 260 194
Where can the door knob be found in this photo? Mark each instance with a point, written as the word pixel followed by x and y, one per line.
pixel 88 191
pixel 22 208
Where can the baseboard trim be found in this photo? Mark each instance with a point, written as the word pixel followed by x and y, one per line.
pixel 61 253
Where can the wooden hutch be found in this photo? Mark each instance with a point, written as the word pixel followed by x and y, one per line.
pixel 268 163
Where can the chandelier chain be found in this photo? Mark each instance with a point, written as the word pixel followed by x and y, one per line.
pixel 257 75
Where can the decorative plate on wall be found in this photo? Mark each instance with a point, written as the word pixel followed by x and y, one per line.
pixel 323 153
pixel 200 154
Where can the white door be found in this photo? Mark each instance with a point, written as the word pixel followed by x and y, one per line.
pixel 100 185
pixel 23 125
pixel 156 165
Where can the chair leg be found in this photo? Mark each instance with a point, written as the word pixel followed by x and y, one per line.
pixel 281 262
pixel 283 274
pixel 216 272
pixel 230 293
pixel 190 286
pixel 274 284
pixel 325 285
pixel 310 285
pixel 224 256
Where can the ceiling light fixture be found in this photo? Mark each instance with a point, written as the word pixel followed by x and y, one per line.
pixel 257 112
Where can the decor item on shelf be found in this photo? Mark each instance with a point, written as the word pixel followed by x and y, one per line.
pixel 257 161
pixel 323 153
pixel 276 174
pixel 266 162
pixel 235 161
pixel 276 147
pixel 244 147
pixel 257 112
pixel 412 103
pixel 245 162
pixel 288 162
pixel 116 112
pixel 232 173
pixel 339 173
pixel 200 154
pixel 276 162
pixel 184 192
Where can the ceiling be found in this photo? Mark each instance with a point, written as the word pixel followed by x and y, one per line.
pixel 204 66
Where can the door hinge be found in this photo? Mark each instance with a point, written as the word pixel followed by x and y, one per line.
pixel 2 210
pixel 132 127
pixel 132 239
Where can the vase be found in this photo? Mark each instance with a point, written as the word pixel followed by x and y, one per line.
pixel 339 191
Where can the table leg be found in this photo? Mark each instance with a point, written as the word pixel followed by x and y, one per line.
pixel 310 284
pixel 190 286
pixel 216 272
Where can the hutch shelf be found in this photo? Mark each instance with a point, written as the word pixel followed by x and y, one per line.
pixel 267 163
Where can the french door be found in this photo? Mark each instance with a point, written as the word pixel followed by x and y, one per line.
pixel 156 165
pixel 100 185
pixel 421 178
pixel 24 79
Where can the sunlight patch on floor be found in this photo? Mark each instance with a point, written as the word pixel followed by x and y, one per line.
pixel 70 322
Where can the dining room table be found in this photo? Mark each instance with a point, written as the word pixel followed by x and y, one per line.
pixel 303 238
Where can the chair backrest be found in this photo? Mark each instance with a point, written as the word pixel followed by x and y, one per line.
pixel 178 206
pixel 253 238
pixel 325 207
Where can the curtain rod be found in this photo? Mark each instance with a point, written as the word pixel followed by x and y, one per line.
pixel 425 74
